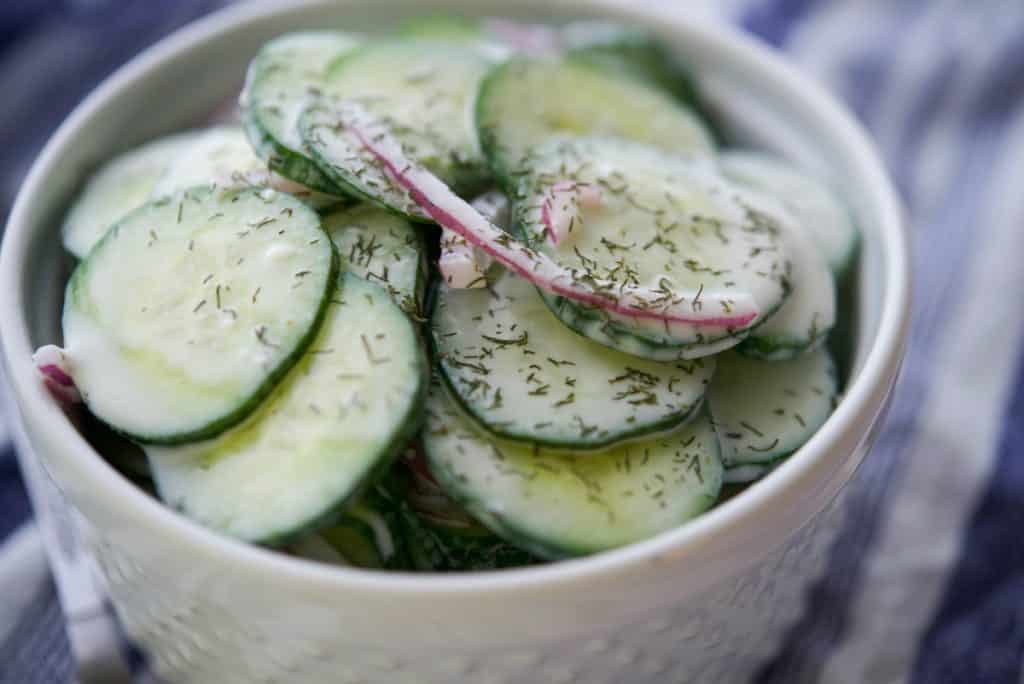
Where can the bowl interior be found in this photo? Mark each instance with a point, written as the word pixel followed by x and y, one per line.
pixel 177 85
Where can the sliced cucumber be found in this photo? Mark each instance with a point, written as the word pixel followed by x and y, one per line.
pixel 456 29
pixel 441 27
pixel 659 221
pixel 121 185
pixel 813 204
pixel 556 504
pixel 280 77
pixel 630 51
pixel 809 313
pixel 594 326
pixel 379 246
pixel 523 376
pixel 340 417
pixel 222 157
pixel 765 410
pixel 526 101
pixel 191 309
pixel 423 91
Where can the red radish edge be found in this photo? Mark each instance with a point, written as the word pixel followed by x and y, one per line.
pixel 429 192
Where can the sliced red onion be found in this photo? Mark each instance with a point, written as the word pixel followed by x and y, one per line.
pixel 732 310
pixel 53 366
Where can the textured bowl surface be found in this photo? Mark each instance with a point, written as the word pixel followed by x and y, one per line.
pixel 704 603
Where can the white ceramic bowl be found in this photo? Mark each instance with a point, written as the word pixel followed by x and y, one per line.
pixel 705 602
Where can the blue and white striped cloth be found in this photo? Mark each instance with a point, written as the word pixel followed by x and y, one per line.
pixel 926 581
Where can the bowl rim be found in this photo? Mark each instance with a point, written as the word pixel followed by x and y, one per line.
pixel 862 401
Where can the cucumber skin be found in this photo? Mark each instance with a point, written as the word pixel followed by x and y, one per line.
pixel 488 141
pixel 548 550
pixel 279 158
pixel 468 181
pixel 545 549
pixel 650 430
pixel 417 311
pixel 576 318
pixel 399 441
pixel 661 426
pixel 221 425
pixel 284 161
pixel 352 192
pixel 779 348
pixel 644 58
pixel 504 175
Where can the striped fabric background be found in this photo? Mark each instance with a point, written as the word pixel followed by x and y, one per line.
pixel 926 581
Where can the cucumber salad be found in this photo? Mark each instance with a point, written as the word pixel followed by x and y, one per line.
pixel 472 295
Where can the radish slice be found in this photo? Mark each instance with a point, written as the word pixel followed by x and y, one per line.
pixel 439 202
pixel 53 366
pixel 561 212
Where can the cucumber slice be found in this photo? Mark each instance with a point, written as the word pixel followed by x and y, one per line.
pixel 765 410
pixel 449 28
pixel 121 185
pixel 423 91
pixel 525 101
pixel 339 418
pixel 188 311
pixel 379 246
pixel 222 157
pixel 523 376
pixel 595 326
pixel 660 222
pixel 556 504
pixel 812 203
pixel 809 313
pixel 280 77
pixel 441 27
pixel 630 51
